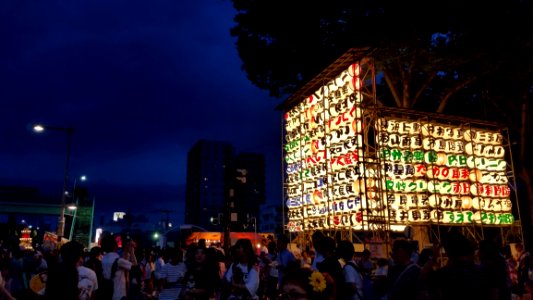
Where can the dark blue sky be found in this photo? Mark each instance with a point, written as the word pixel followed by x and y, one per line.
pixel 141 82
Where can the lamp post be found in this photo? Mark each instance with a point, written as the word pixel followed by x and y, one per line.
pixel 74 205
pixel 69 131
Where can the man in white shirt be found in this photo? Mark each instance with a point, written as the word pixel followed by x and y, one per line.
pixel 124 264
pixel 87 282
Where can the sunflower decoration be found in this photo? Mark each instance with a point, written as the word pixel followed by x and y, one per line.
pixel 317 281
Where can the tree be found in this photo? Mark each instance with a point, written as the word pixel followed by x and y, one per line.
pixel 470 58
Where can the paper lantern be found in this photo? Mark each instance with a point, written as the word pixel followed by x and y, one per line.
pixel 466 202
pixel 355 84
pixel 434 201
pixel 436 216
pixel 427 129
pixel 469 135
pixel 506 205
pixel 354 69
pixel 447 217
pixel 497 205
pixel 475 175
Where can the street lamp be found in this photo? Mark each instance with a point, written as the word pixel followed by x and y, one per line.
pixel 73 206
pixel 69 131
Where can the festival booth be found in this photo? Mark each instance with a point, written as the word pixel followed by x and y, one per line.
pixel 218 237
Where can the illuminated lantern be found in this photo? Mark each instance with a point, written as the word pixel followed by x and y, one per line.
pixel 332 86
pixel 434 186
pixel 475 175
pixel 421 185
pixel 420 216
pixel 428 143
pixel 506 205
pixel 438 131
pixel 490 218
pixel 469 135
pixel 415 128
pixel 441 159
pixel 444 173
pixel 325 224
pixel 357 126
pixel 355 84
pixel 370 182
pixel 456 202
pixel 497 204
pixel 446 202
pixel 413 216
pixel 354 69
pixel 447 217
pixel 477 203
pixel 358 186
pixel 436 216
pixel 420 170
pixel 474 189
pixel 421 201
pixel 427 129
pixel 434 201
pixel 447 133
pixel 466 202
pixel 431 171
pixel 357 218
pixel 397 201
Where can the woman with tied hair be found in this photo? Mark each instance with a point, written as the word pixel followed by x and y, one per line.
pixel 241 280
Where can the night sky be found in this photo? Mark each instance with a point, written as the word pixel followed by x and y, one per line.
pixel 140 82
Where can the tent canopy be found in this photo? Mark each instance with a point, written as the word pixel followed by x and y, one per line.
pixel 216 237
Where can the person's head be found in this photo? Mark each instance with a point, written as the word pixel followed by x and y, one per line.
pixel 382 262
pixel 244 251
pixel 96 253
pixel 202 243
pixel 272 247
pixel 303 283
pixel 316 237
pixel 283 242
pixel 327 246
pixel 401 251
pixel 175 255
pixel 71 253
pixel 345 250
pixel 488 250
pixel 200 255
pixel 425 255
pixel 109 244
pixel 458 247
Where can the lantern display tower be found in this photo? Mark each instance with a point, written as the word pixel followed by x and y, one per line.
pixel 366 173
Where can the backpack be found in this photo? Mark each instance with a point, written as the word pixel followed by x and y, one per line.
pixel 367 283
pixel 107 288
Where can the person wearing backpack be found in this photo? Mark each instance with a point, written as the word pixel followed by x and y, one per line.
pixel 353 279
pixel 115 267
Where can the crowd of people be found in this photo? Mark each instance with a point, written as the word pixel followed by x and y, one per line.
pixel 328 268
